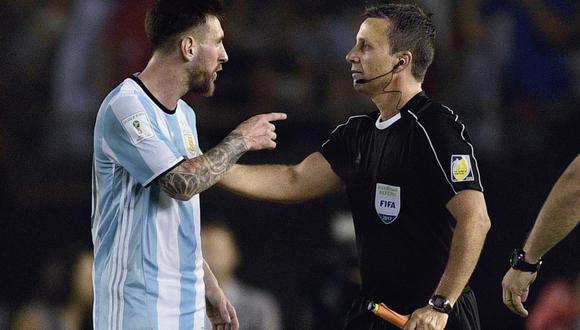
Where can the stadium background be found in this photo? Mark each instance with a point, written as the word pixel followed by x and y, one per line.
pixel 510 71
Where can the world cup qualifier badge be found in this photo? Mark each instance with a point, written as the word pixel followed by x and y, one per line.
pixel 461 169
pixel 387 202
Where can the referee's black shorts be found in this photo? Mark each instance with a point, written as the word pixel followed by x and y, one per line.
pixel 464 316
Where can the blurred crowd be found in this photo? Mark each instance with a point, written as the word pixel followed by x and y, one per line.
pixel 510 68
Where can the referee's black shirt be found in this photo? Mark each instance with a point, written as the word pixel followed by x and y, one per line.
pixel 400 174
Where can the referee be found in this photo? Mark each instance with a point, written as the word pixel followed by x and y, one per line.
pixel 411 175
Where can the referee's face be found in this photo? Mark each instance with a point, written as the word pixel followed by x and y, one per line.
pixel 370 59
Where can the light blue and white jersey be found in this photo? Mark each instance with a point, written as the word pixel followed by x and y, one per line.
pixel 148 271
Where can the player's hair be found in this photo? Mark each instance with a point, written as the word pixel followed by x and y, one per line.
pixel 167 19
pixel 411 30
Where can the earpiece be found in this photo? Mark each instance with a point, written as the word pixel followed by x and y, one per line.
pixel 401 62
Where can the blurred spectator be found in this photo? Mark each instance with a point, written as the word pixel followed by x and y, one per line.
pixel 66 296
pixel 256 309
pixel 336 282
pixel 557 307
pixel 478 70
pixel 74 91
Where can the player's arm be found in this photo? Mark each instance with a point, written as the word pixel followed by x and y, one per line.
pixel 197 174
pixel 469 209
pixel 559 215
pixel 219 310
pixel 312 178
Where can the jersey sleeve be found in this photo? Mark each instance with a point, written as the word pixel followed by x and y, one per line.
pixel 135 141
pixel 335 150
pixel 444 155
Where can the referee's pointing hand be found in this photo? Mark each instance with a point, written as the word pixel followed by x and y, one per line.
pixel 258 131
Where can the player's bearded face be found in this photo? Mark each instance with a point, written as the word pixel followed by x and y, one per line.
pixel 202 82
pixel 210 55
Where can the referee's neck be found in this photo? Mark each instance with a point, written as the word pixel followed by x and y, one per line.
pixel 391 102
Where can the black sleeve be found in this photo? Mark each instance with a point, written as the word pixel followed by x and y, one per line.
pixel 335 150
pixel 443 155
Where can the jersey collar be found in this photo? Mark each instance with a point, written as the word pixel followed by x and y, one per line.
pixel 384 124
pixel 157 102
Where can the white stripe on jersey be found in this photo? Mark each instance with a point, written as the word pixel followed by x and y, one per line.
pixel 434 152
pixel 168 275
pixel 115 262
pixel 470 145
pixel 343 124
pixel 162 125
pixel 125 251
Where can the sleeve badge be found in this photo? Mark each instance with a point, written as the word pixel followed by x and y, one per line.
pixel 461 170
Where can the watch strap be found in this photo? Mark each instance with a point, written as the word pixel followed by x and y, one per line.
pixel 518 262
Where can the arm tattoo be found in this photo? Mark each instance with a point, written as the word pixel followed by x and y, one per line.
pixel 197 174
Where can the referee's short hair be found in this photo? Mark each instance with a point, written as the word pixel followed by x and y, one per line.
pixel 167 19
pixel 411 30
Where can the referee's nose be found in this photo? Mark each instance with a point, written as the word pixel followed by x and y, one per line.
pixel 352 57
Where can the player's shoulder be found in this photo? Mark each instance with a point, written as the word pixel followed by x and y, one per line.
pixel 121 102
pixel 124 91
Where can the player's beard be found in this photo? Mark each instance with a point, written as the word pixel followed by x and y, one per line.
pixel 202 83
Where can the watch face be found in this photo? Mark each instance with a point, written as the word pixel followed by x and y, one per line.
pixel 440 304
pixel 515 257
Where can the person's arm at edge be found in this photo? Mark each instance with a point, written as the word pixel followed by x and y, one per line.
pixel 559 215
pixel 311 178
pixel 469 209
pixel 218 308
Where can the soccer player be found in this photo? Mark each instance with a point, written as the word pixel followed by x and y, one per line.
pixel 559 215
pixel 411 176
pixel 149 272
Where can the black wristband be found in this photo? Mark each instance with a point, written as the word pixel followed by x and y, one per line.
pixel 440 304
pixel 518 262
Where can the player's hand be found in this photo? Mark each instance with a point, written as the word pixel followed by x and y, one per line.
pixel 258 131
pixel 516 286
pixel 220 311
pixel 426 318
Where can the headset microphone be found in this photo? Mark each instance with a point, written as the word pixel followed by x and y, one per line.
pixel 364 81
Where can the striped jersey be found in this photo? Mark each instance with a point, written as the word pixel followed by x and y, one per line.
pixel 148 270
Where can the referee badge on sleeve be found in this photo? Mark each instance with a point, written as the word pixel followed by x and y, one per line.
pixel 461 170
pixel 387 202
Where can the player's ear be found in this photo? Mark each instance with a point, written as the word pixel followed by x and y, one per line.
pixel 188 47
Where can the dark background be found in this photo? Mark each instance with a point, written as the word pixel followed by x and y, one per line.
pixel 508 68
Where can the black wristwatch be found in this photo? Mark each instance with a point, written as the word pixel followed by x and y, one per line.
pixel 518 262
pixel 440 304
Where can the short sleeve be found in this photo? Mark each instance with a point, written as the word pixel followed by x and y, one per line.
pixel 133 139
pixel 444 155
pixel 335 151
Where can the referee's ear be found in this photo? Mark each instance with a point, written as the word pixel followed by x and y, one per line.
pixel 405 59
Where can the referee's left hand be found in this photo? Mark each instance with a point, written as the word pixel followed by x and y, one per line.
pixel 426 318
